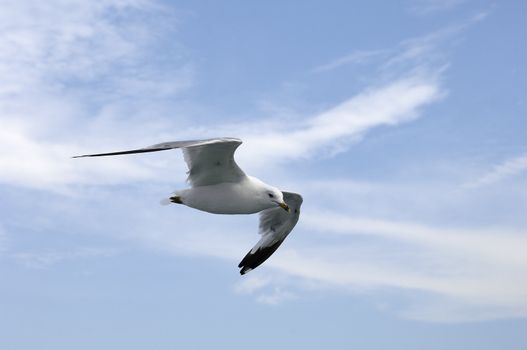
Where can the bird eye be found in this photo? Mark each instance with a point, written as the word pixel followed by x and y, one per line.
pixel 270 195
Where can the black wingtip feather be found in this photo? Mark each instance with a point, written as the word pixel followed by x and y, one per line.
pixel 142 150
pixel 253 260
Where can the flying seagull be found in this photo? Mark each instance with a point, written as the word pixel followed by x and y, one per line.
pixel 219 186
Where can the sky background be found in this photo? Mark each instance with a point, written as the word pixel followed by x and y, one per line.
pixel 402 123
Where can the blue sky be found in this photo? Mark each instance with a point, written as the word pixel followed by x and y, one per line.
pixel 401 123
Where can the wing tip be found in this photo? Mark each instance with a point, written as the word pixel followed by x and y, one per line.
pixel 243 264
pixel 244 270
pixel 254 259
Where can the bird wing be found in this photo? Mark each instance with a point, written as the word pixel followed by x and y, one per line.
pixel 209 161
pixel 275 225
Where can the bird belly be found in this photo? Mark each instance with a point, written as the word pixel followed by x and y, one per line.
pixel 224 198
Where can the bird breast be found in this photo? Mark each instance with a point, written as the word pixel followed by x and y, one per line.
pixel 225 198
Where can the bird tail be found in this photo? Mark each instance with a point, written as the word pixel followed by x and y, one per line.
pixel 175 198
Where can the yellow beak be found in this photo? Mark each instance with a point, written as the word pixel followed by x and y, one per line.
pixel 285 206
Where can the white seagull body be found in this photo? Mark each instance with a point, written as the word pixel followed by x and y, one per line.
pixel 219 186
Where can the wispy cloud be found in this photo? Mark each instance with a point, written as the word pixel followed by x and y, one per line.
pixel 353 58
pixel 429 50
pixel 277 296
pixel 48 165
pixel 42 260
pixel 41 45
pixel 472 273
pixel 58 52
pixel 266 290
pixel 82 73
pixel 475 269
pixel 394 103
pixel 426 7
pixel 484 244
pixel 422 52
pixel 250 284
pixel 505 170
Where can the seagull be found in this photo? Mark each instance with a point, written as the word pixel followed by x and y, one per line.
pixel 219 186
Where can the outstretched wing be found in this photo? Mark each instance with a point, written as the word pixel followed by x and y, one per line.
pixel 275 225
pixel 209 161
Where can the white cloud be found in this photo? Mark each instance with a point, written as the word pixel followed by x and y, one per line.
pixel 102 46
pixel 267 289
pixel 483 244
pixel 475 272
pixel 394 103
pixel 42 260
pixel 92 50
pixel 430 50
pixel 277 296
pixel 426 7
pixel 40 44
pixel 353 58
pixel 67 81
pixel 47 164
pixel 505 170
pixel 251 284
pixel 422 53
